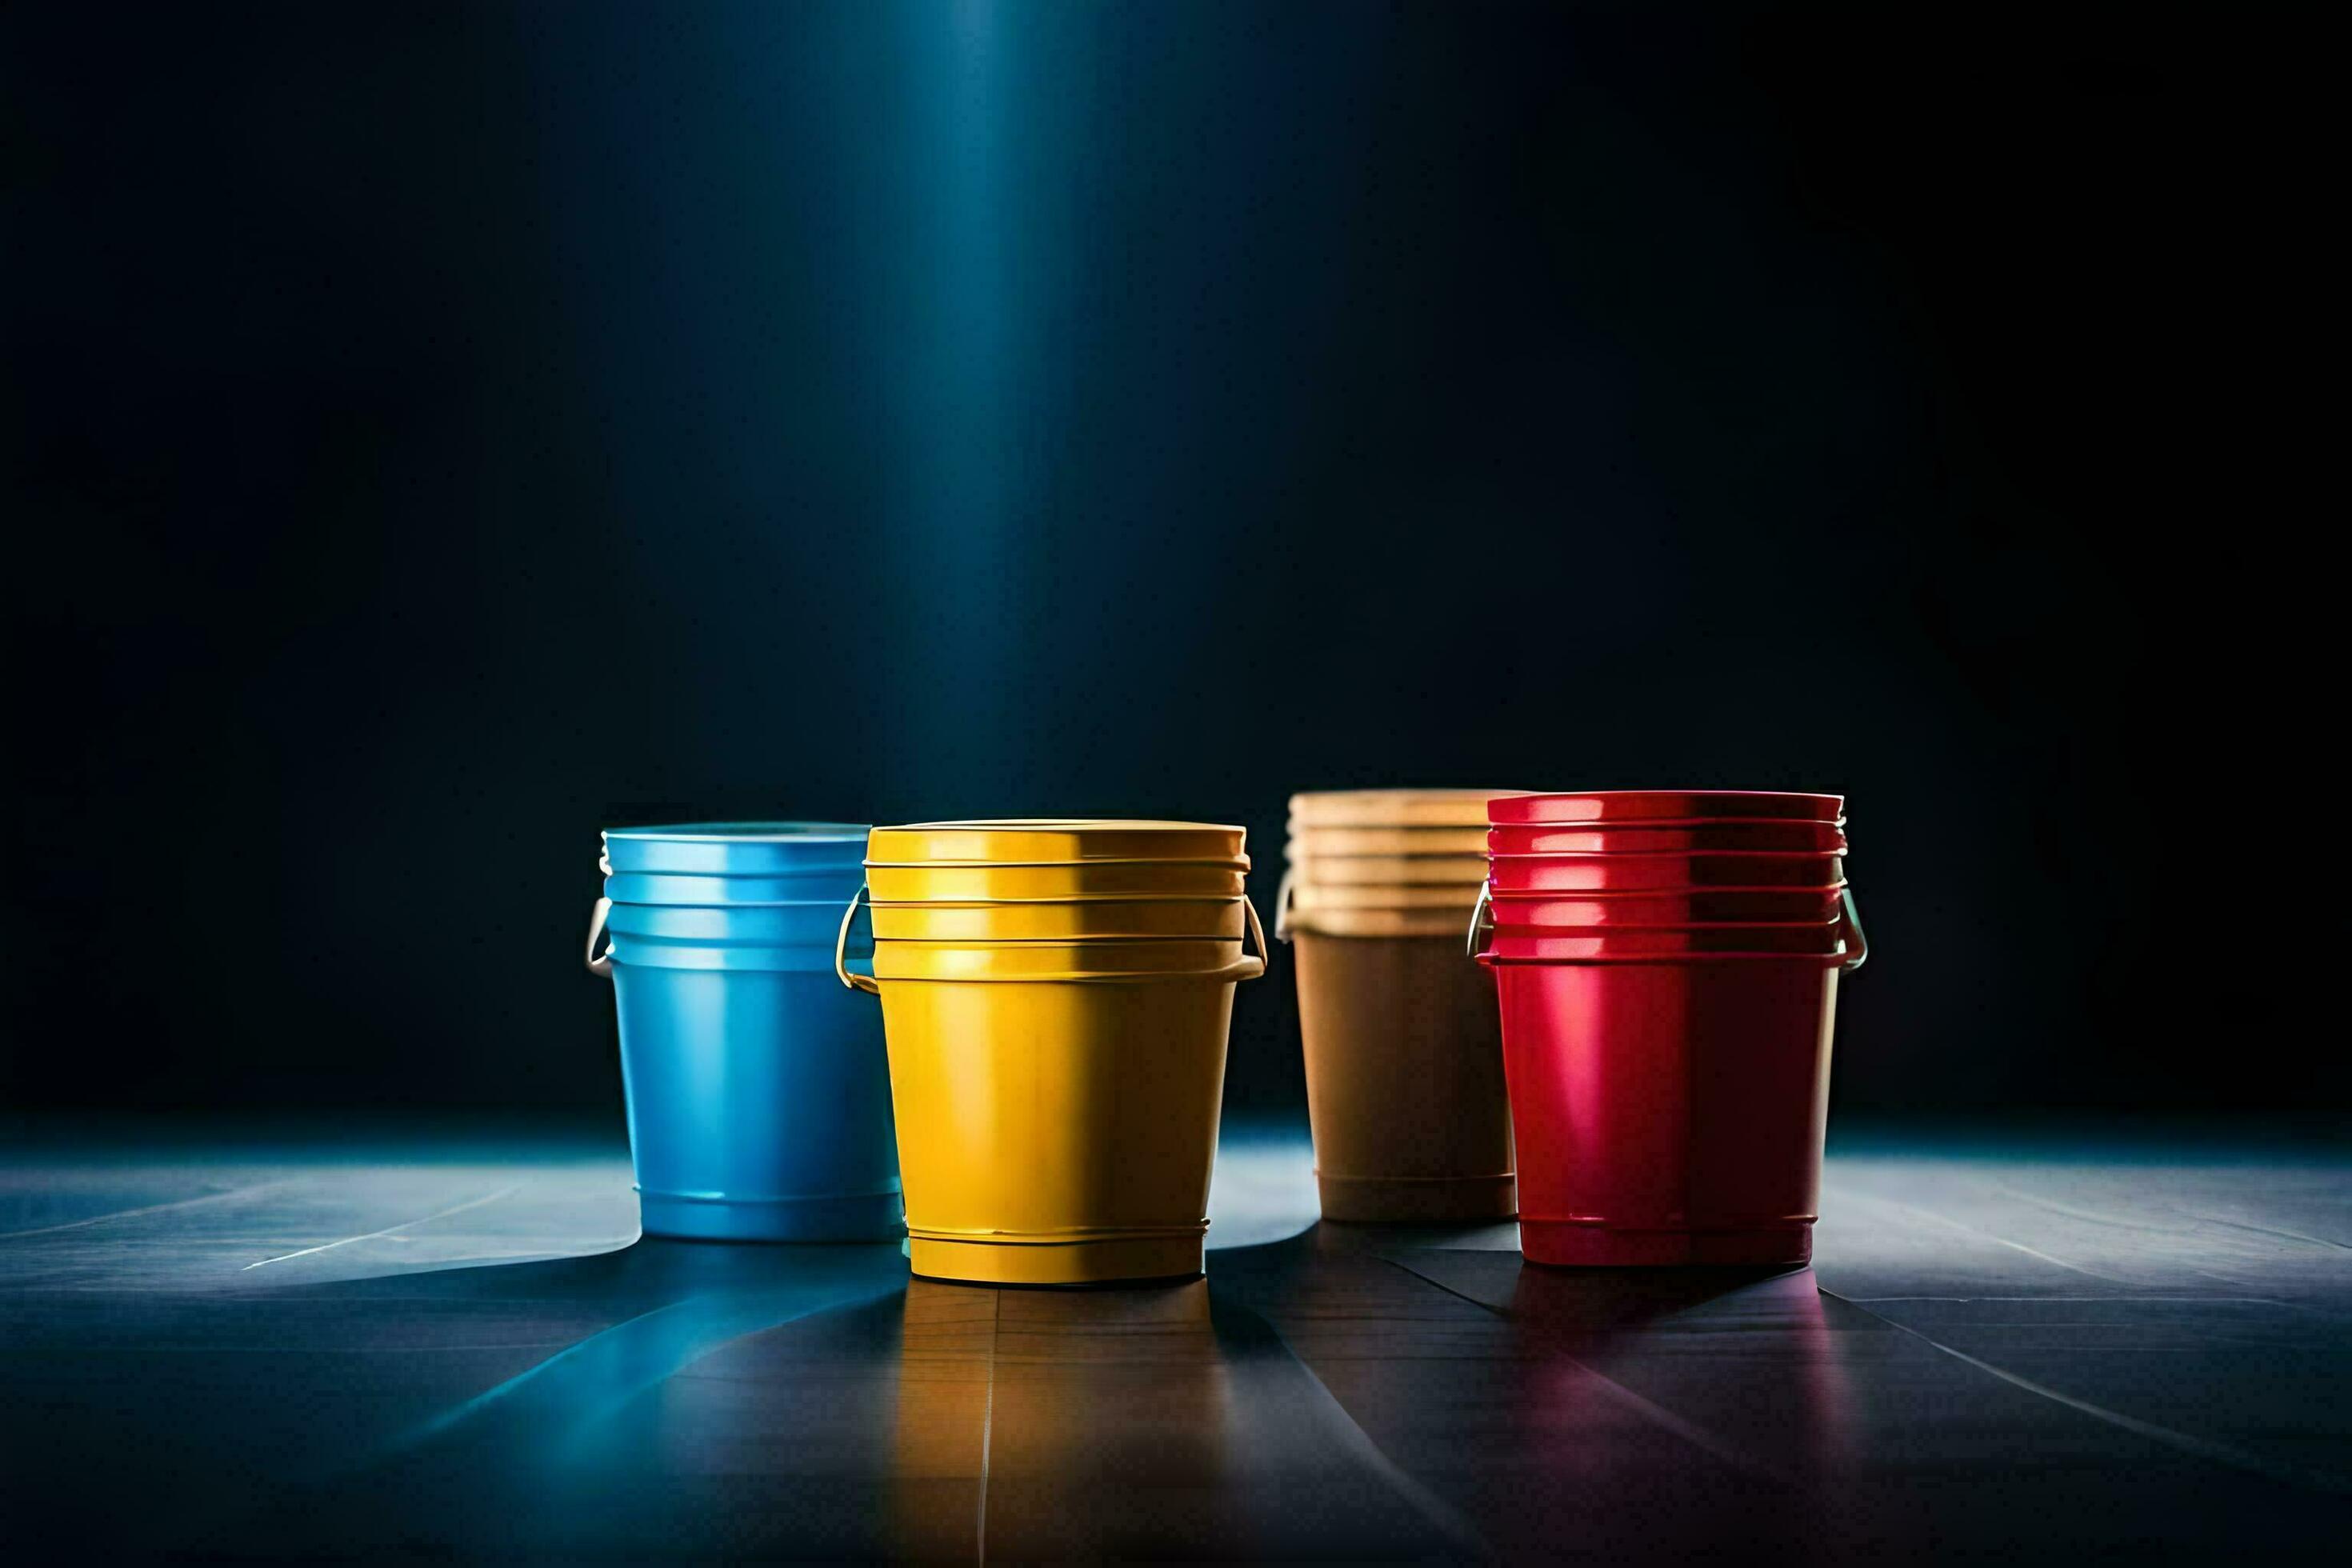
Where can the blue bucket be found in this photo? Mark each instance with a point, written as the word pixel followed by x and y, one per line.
pixel 759 1091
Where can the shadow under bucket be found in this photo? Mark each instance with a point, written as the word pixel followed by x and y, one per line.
pixel 758 1093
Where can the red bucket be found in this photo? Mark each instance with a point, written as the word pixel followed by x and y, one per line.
pixel 1656 804
pixel 1654 873
pixel 1776 837
pixel 1682 906
pixel 1670 1109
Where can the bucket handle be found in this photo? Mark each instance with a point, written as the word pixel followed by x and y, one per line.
pixel 1482 926
pixel 600 963
pixel 1859 943
pixel 841 949
pixel 1482 920
pixel 1257 932
pixel 1282 895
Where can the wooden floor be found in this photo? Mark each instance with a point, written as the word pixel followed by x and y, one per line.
pixel 2025 1350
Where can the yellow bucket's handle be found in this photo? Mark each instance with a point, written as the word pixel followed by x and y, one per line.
pixel 841 950
pixel 1482 924
pixel 1282 895
pixel 1861 944
pixel 1257 939
pixel 600 963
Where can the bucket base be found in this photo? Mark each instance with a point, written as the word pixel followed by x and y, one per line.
pixel 866 1216
pixel 1098 1262
pixel 1417 1200
pixel 1607 1247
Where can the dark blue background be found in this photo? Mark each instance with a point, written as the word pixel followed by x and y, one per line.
pixel 437 432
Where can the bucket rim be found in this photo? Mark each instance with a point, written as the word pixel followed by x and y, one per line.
pixel 1227 863
pixel 1845 954
pixel 1612 804
pixel 1064 824
pixel 1578 895
pixel 872 903
pixel 1580 857
pixel 741 833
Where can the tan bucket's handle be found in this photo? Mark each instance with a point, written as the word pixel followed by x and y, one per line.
pixel 1482 924
pixel 600 963
pixel 1861 944
pixel 841 950
pixel 1282 895
pixel 1257 938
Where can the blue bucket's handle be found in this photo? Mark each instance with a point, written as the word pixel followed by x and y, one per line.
pixel 600 963
pixel 841 950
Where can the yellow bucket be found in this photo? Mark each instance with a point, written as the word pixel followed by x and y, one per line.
pixel 1029 840
pixel 1315 843
pixel 1395 807
pixel 1056 1102
pixel 1053 881
pixel 1059 919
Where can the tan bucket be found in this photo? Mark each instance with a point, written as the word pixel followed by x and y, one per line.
pixel 1315 843
pixel 1404 1080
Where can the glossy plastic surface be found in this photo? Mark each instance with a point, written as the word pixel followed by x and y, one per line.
pixel 830 884
pixel 1640 804
pixel 1310 842
pixel 1404 1080
pixel 1099 879
pixel 1825 940
pixel 1533 873
pixel 1377 923
pixel 1087 920
pixel 1051 839
pixel 1678 909
pixel 1058 1133
pixel 1074 960
pixel 1400 871
pixel 735 848
pixel 1781 837
pixel 1668 1112
pixel 759 1103
pixel 1312 895
pixel 727 925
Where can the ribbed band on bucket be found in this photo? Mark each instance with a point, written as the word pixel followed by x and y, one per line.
pixel 1046 840
pixel 1394 807
pixel 1427 1200
pixel 1310 842
pixel 1640 804
pixel 1404 925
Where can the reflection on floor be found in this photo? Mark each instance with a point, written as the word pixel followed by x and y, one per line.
pixel 2039 1350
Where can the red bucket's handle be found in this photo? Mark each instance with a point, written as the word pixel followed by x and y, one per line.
pixel 1282 895
pixel 1855 939
pixel 1482 923
pixel 600 963
pixel 841 950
